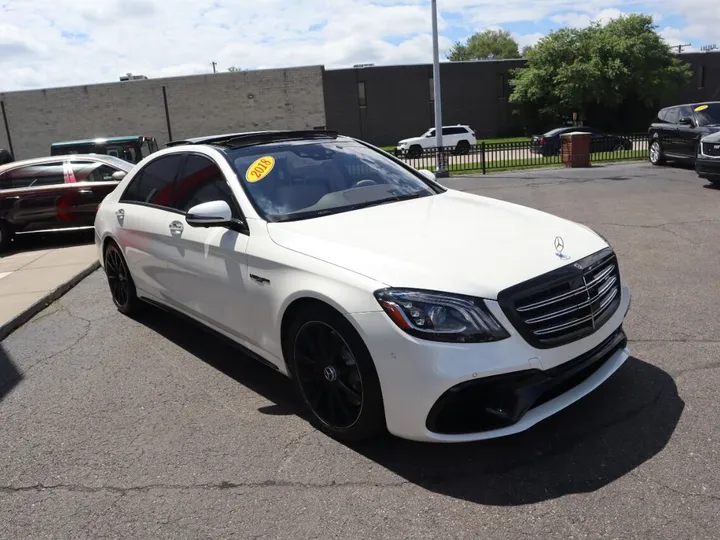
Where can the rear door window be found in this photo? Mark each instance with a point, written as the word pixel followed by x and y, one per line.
pixel 47 174
pixel 155 182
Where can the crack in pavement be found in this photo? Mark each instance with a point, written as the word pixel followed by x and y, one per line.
pixel 677 491
pixel 224 485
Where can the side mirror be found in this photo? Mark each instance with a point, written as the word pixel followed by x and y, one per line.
pixel 118 175
pixel 686 121
pixel 210 214
pixel 427 174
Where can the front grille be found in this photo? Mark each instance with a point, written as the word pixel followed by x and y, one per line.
pixel 711 149
pixel 567 304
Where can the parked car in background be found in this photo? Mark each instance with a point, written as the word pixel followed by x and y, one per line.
pixel 55 193
pixel 130 148
pixel 676 132
pixel 461 138
pixel 550 143
pixel 707 163
pixel 343 268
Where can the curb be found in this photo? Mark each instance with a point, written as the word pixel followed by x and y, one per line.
pixel 23 317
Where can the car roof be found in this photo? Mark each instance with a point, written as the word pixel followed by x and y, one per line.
pixel 99 140
pixel 50 159
pixel 247 138
pixel 695 104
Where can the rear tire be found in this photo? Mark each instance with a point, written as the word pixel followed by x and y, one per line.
pixel 122 286
pixel 5 236
pixel 334 375
pixel 656 153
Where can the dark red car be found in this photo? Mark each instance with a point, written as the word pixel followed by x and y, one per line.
pixel 58 193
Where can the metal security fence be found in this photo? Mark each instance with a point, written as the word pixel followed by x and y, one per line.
pixel 491 156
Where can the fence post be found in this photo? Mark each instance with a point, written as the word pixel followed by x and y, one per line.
pixel 482 156
pixel 167 114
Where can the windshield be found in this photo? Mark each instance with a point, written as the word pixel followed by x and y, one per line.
pixel 304 179
pixel 708 114
pixel 119 163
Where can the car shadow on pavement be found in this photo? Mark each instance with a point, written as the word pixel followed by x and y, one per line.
pixel 39 242
pixel 10 376
pixel 599 439
pixel 222 354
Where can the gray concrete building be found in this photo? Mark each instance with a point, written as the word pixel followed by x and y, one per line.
pixel 169 108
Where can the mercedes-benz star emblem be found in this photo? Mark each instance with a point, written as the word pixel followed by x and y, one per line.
pixel 559 244
pixel 330 373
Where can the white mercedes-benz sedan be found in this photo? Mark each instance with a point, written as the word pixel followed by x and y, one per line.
pixel 393 303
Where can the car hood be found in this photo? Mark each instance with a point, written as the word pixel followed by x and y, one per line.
pixel 714 136
pixel 410 140
pixel 455 242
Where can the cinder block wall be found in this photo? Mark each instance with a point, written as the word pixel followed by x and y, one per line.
pixel 196 105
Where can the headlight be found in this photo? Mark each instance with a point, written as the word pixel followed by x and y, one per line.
pixel 440 316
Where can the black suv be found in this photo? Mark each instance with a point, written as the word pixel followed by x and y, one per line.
pixel 676 132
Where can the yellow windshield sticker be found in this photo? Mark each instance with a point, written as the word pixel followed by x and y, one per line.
pixel 260 169
pixel 701 108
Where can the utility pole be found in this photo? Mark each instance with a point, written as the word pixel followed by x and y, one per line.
pixel 213 65
pixel 440 170
pixel 680 47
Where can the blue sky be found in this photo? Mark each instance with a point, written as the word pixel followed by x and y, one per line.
pixel 48 43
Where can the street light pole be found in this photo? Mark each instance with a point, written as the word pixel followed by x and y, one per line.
pixel 440 171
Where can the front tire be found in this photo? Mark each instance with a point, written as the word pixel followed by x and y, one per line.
pixel 334 376
pixel 414 152
pixel 122 286
pixel 656 153
pixel 462 148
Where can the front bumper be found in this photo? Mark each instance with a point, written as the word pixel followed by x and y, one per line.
pixel 442 392
pixel 707 167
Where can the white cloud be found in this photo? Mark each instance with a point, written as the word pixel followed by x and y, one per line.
pixel 47 43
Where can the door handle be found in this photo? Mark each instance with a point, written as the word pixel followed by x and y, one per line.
pixel 85 192
pixel 120 213
pixel 176 226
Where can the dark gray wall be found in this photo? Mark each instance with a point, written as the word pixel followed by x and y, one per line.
pixel 399 101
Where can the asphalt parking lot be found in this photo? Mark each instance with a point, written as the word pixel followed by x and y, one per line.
pixel 120 428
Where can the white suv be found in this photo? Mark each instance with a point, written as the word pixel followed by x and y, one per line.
pixel 459 137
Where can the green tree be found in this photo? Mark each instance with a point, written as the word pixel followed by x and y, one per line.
pixel 573 70
pixel 485 45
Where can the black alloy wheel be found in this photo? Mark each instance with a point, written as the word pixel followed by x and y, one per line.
pixel 122 287
pixel 334 376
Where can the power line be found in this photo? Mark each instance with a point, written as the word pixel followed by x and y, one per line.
pixel 680 47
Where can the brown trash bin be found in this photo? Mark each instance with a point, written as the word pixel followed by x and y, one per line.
pixel 575 149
